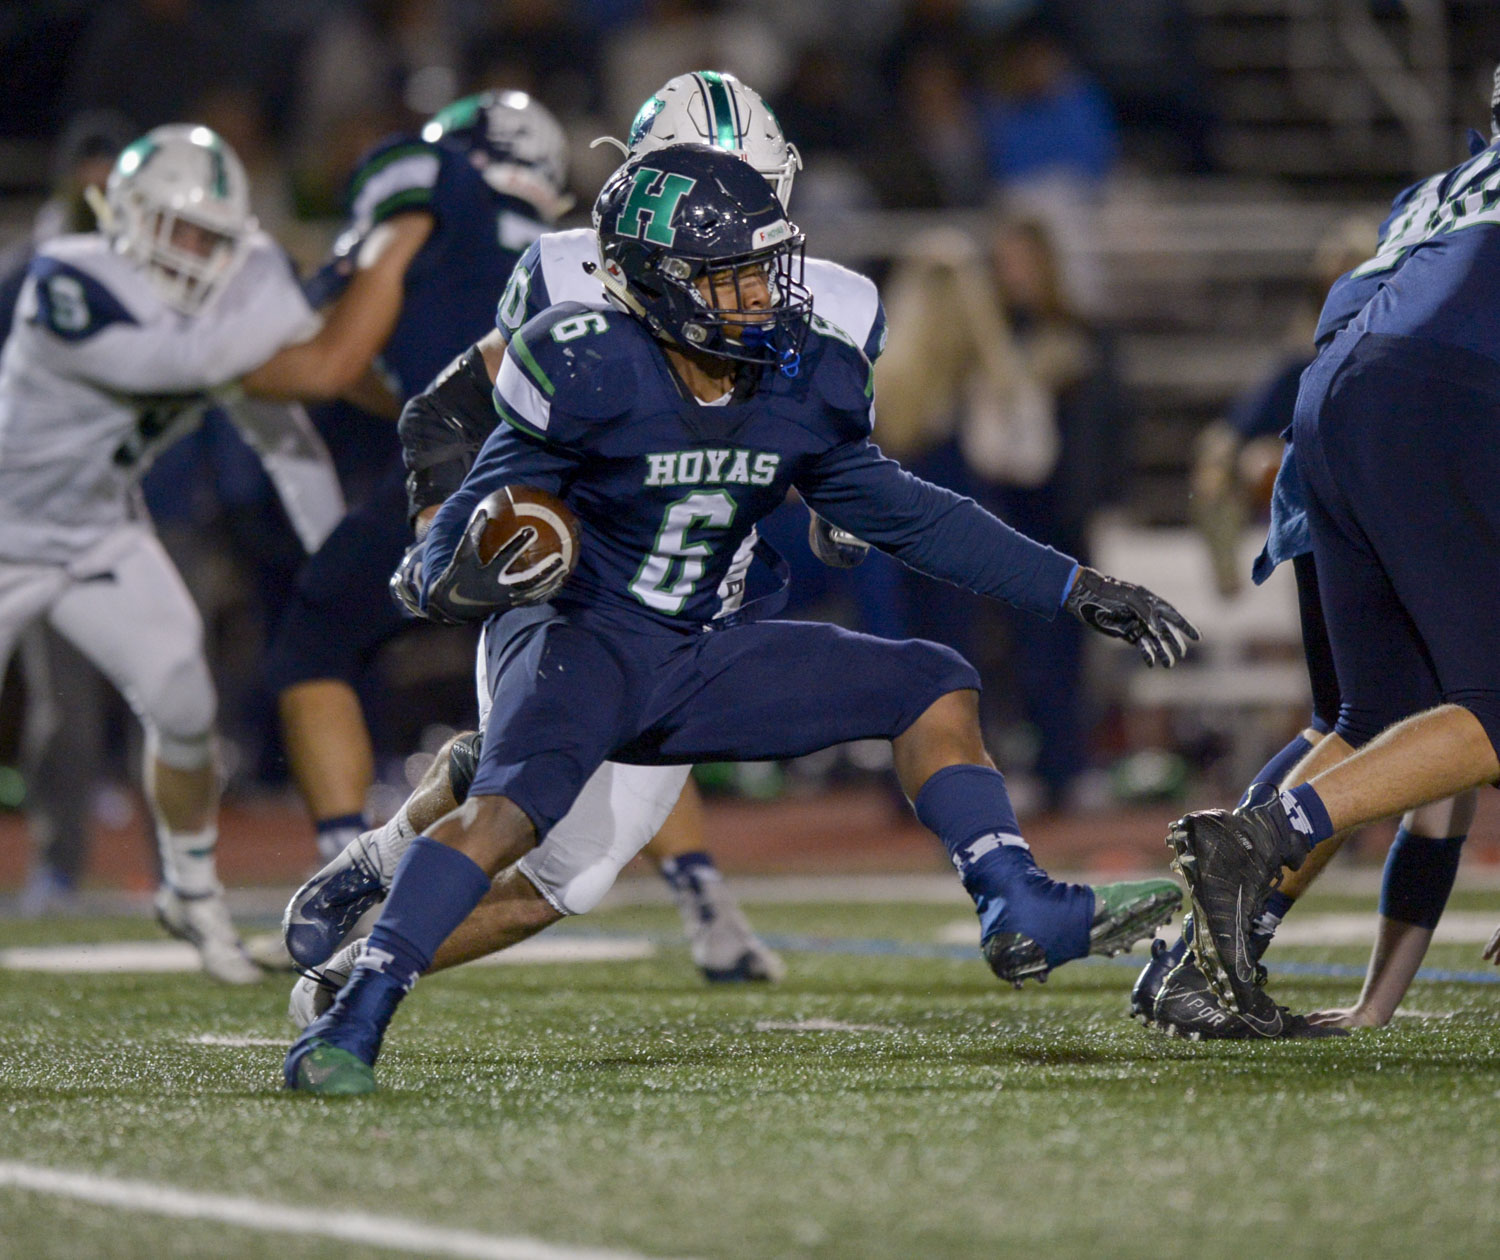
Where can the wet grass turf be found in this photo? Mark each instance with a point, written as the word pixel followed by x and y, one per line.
pixel 627 1105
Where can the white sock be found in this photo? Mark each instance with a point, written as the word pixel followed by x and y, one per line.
pixel 385 845
pixel 187 859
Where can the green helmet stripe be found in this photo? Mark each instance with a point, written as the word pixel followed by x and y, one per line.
pixel 221 172
pixel 720 111
pixel 455 117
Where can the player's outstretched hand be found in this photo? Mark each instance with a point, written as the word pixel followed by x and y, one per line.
pixel 1492 950
pixel 1123 610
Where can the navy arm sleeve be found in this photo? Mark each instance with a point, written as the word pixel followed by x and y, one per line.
pixel 934 530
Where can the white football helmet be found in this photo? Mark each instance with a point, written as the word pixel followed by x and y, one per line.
pixel 715 108
pixel 514 142
pixel 178 203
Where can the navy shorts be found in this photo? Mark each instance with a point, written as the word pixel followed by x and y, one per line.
pixel 341 612
pixel 571 690
pixel 1398 446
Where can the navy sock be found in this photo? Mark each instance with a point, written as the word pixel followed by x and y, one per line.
pixel 434 888
pixel 335 833
pixel 1419 875
pixel 1308 814
pixel 1275 770
pixel 1264 928
pixel 685 870
pixel 969 810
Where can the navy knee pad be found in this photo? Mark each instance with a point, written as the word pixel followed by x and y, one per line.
pixel 1419 875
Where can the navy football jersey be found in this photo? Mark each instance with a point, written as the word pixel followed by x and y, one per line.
pixel 668 490
pixel 1432 273
pixel 450 287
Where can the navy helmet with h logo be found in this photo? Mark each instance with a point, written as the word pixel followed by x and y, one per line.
pixel 668 219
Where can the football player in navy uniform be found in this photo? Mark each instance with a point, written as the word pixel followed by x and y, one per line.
pixel 1393 441
pixel 670 425
pixel 1172 991
pixel 659 807
pixel 437 224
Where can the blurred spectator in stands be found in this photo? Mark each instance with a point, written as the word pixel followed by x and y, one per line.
pixel 1051 145
pixel 67 700
pixel 150 60
pixel 674 36
pixel 932 153
pixel 1042 117
pixel 1145 55
pixel 994 385
pixel 548 48
pixel 1235 459
pixel 372 69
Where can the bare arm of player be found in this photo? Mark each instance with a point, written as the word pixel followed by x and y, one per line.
pixel 337 359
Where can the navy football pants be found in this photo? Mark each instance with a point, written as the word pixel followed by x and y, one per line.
pixel 571 691
pixel 1398 445
pixel 341 612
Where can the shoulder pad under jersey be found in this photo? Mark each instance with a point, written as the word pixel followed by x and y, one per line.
pixel 398 174
pixel 569 364
pixel 849 301
pixel 841 375
pixel 551 271
pixel 71 301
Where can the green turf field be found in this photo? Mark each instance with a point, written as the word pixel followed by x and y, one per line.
pixel 872 1106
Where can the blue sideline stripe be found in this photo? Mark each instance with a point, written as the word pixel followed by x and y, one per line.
pixel 874 947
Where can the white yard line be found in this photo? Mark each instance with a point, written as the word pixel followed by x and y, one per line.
pixel 169 956
pixel 388 1232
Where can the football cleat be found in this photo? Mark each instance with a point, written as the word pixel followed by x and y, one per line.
pixel 1148 983
pixel 205 924
pixel 323 911
pixel 1123 914
pixel 315 989
pixel 1231 861
pixel 1185 1005
pixel 319 1067
pixel 354 1026
pixel 724 946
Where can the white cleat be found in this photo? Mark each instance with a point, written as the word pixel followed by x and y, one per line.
pixel 723 944
pixel 314 991
pixel 205 924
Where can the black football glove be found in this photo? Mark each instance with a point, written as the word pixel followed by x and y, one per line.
pixel 835 547
pixel 406 586
pixel 1123 610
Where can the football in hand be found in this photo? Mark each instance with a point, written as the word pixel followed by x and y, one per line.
pixel 551 527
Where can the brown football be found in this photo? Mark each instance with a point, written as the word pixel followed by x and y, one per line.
pixel 511 508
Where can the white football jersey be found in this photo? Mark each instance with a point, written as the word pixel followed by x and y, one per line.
pixel 99 374
pixel 552 271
